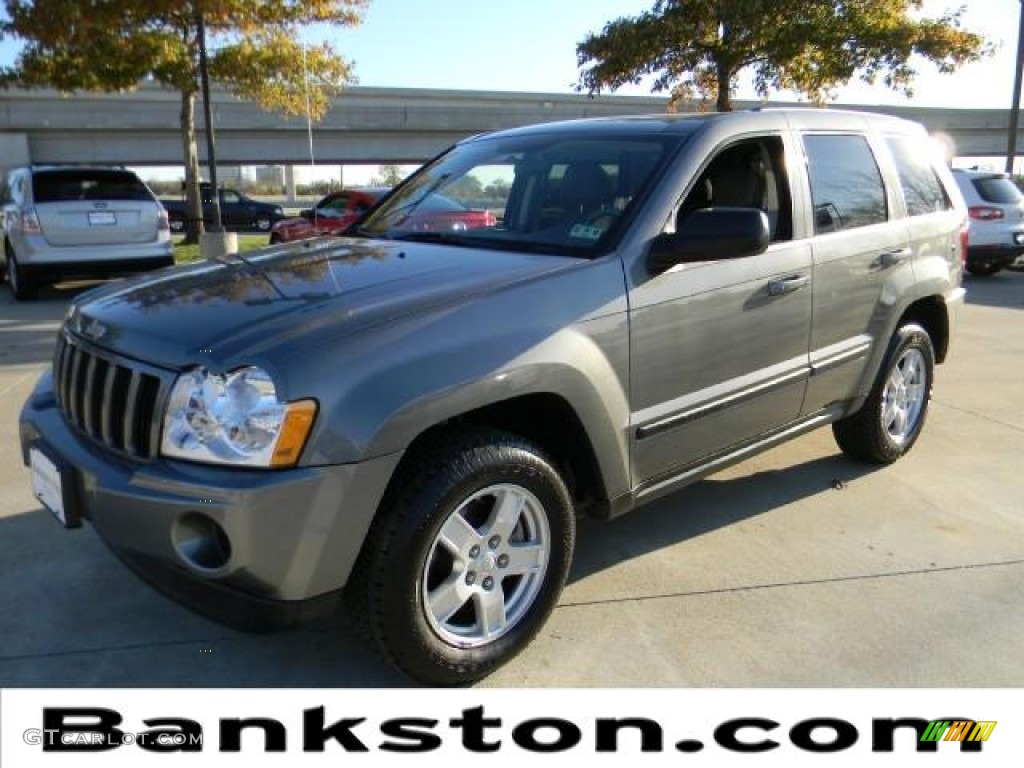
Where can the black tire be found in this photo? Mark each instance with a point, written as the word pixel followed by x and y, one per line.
pixel 176 223
pixel 983 270
pixel 262 223
pixel 866 434
pixel 23 283
pixel 275 238
pixel 464 477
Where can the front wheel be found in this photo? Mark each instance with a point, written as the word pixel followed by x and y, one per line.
pixel 262 223
pixel 891 419
pixel 467 558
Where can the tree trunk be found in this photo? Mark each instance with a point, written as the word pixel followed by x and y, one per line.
pixel 723 102
pixel 193 202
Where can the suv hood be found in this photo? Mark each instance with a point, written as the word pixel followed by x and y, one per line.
pixel 216 311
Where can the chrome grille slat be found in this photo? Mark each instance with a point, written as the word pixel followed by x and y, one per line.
pixel 112 401
pixel 65 381
pixel 89 396
pixel 129 414
pixel 74 401
pixel 107 406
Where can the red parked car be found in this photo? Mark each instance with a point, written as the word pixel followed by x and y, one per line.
pixel 338 210
pixel 330 216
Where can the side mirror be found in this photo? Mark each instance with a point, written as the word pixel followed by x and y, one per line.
pixel 711 234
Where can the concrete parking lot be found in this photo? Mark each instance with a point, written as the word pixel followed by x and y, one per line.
pixel 797 568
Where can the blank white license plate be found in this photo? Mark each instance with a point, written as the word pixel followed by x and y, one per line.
pixel 46 484
pixel 102 218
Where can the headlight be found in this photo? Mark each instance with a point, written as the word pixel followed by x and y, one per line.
pixel 234 419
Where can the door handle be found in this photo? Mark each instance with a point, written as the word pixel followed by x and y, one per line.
pixel 894 257
pixel 787 284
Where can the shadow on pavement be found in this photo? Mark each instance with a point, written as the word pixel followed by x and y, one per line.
pixel 28 328
pixel 72 615
pixel 707 506
pixel 1004 289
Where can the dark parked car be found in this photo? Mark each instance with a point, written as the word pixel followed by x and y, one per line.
pixel 239 213
pixel 419 415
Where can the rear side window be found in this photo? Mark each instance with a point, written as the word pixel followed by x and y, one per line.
pixel 922 190
pixel 997 189
pixel 846 186
pixel 71 185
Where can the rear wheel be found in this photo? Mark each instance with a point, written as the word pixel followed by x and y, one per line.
pixel 466 559
pixel 262 223
pixel 983 270
pixel 891 419
pixel 24 286
pixel 176 223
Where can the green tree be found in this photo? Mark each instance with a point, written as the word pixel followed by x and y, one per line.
pixel 387 176
pixel 697 48
pixel 112 45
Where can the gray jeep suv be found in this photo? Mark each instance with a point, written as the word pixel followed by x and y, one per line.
pixel 419 416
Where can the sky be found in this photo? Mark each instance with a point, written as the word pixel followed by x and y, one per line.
pixel 530 45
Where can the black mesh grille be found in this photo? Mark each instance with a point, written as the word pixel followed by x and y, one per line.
pixel 114 402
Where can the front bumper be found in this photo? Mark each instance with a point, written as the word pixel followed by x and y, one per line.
pixel 249 548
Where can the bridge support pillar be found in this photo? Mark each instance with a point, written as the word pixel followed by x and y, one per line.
pixel 289 183
pixel 14 150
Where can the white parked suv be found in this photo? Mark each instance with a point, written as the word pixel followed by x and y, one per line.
pixel 996 207
pixel 76 221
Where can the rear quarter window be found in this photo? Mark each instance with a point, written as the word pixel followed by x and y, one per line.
pixel 78 185
pixel 846 185
pixel 922 189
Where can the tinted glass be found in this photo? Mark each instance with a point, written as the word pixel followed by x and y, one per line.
pixel 440 203
pixel 70 185
pixel 922 189
pixel 846 186
pixel 998 189
pixel 545 193
pixel 336 204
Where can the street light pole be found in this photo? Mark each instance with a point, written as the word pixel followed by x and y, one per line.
pixel 211 153
pixel 1011 144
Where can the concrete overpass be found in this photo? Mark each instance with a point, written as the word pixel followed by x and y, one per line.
pixel 365 125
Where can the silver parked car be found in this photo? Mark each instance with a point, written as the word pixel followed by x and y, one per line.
pixel 996 208
pixel 418 417
pixel 72 221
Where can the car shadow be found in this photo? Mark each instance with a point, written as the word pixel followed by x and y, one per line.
pixel 72 615
pixel 28 329
pixel 1004 290
pixel 712 504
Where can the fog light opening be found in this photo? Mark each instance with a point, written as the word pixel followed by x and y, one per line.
pixel 201 542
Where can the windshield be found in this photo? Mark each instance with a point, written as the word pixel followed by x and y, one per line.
pixel 542 193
